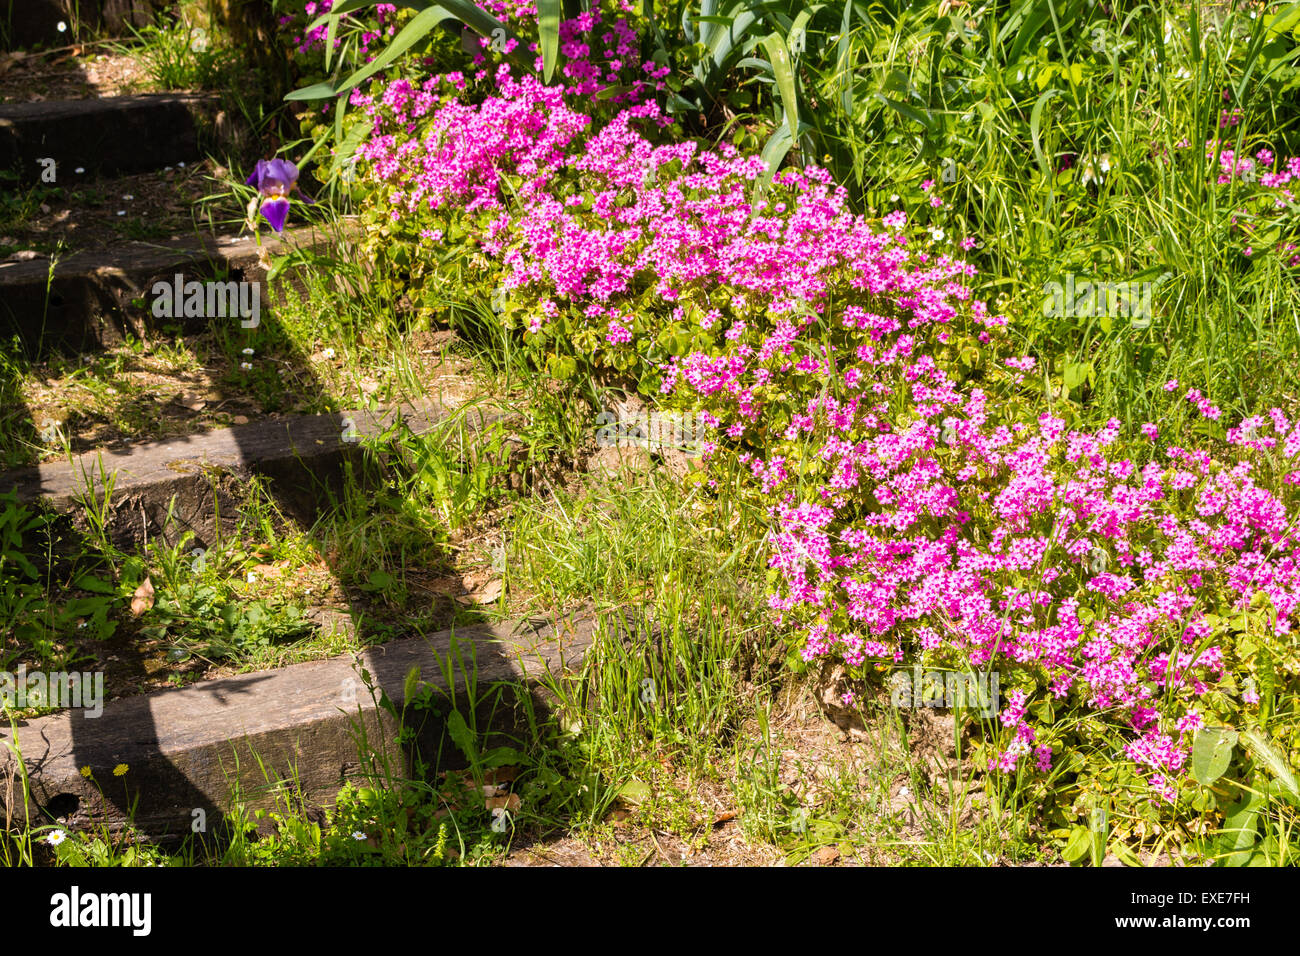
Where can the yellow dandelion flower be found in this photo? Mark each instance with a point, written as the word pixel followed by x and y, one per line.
pixel 85 771
pixel 120 769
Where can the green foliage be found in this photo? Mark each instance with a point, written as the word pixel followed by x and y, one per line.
pixel 35 622
pixel 199 610
pixel 181 56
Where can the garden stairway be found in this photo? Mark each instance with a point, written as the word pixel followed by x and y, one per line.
pixel 91 298
pixel 188 750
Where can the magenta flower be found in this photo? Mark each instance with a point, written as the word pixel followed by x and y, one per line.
pixel 275 179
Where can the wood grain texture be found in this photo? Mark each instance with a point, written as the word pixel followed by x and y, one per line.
pixel 86 303
pixel 192 748
pixel 199 480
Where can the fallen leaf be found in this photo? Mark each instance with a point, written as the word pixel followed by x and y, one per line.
pixel 826 856
pixel 509 802
pixel 475 579
pixel 500 775
pixel 142 599
pixel 724 816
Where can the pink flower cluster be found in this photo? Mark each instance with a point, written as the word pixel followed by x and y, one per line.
pixel 1275 192
pixel 314 38
pixel 910 513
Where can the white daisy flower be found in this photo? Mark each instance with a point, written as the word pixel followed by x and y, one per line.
pixel 248 351
pixel 358 835
pixel 246 365
pixel 55 838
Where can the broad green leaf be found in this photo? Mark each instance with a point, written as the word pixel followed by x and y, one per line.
pixel 1079 843
pixel 548 25
pixel 1239 829
pixel 779 55
pixel 1076 373
pixel 317 91
pixel 1211 753
pixel 635 792
pixel 88 582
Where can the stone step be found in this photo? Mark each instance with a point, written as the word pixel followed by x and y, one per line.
pixel 108 136
pixel 196 483
pixel 85 302
pixel 186 750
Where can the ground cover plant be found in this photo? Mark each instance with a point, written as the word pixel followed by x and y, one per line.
pixel 907 518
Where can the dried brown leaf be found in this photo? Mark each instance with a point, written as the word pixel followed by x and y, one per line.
pixel 142 599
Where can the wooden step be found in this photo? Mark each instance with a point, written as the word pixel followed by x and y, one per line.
pixel 85 302
pixel 186 749
pixel 199 480
pixel 107 136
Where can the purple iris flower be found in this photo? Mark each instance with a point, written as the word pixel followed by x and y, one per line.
pixel 274 179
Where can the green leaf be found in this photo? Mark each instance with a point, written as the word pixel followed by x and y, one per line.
pixel 1099 826
pixel 411 683
pixel 779 56
pixel 412 33
pixel 88 582
pixel 635 792
pixel 1035 124
pixel 1211 753
pixel 500 757
pixel 462 736
pixel 1079 843
pixel 1076 373
pixel 908 112
pixel 348 146
pixel 317 91
pixel 1238 833
pixel 548 25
